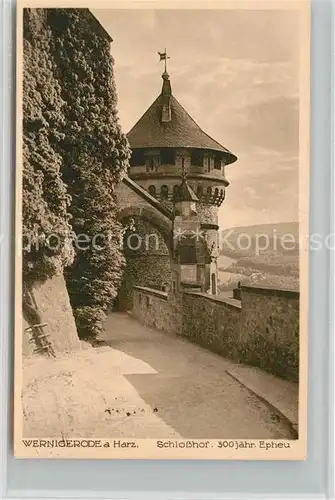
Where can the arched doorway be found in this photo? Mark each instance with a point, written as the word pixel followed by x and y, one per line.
pixel 148 259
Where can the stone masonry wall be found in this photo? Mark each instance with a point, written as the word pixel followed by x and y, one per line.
pixel 49 303
pixel 157 309
pixel 269 335
pixel 261 330
pixel 211 322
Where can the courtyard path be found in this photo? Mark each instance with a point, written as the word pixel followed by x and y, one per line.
pixel 145 384
pixel 187 387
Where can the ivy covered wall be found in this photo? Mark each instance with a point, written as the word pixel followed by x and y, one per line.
pixel 45 198
pixel 74 156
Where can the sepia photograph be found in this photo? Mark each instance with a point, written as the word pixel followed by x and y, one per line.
pixel 162 185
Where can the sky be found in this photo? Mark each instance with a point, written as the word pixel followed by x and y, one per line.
pixel 236 72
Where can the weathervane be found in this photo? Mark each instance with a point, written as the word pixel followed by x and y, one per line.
pixel 163 57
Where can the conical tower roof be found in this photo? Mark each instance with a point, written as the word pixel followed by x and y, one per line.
pixel 166 124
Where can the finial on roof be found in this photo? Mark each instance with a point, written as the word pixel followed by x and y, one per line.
pixel 166 90
pixel 166 76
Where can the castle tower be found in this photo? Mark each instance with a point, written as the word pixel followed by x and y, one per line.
pixel 166 142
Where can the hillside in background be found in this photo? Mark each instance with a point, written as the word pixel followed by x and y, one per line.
pixel 282 238
pixel 265 254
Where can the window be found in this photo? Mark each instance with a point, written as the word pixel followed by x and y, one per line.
pixel 152 162
pixel 222 195
pixel 209 191
pixel 137 158
pixel 200 192
pixel 152 191
pixel 217 163
pixel 164 192
pixel 197 158
pixel 208 163
pixel 168 156
pixel 187 250
pixel 175 192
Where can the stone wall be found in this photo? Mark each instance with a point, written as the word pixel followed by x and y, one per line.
pixel 211 322
pixel 49 304
pixel 270 330
pixel 261 330
pixel 147 262
pixel 158 309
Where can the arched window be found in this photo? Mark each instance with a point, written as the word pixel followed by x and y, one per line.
pixel 175 192
pixel 200 192
pixel 216 192
pixel 152 191
pixel 164 192
pixel 209 191
pixel 222 194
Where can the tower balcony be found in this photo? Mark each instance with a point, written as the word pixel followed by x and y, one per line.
pixel 159 171
pixel 165 189
pixel 141 172
pixel 167 162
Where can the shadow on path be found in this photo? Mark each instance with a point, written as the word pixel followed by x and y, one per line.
pixel 191 389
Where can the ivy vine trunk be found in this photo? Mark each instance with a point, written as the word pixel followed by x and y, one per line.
pixel 95 155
